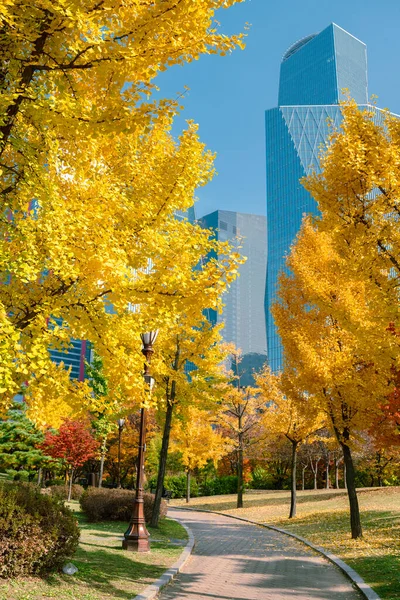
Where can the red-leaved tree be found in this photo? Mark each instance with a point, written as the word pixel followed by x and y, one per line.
pixel 73 443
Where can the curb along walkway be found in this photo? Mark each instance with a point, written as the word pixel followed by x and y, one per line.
pixel 233 560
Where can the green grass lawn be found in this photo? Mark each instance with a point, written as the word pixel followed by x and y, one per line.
pixel 323 518
pixel 105 570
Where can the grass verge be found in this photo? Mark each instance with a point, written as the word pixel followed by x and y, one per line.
pixel 323 518
pixel 105 570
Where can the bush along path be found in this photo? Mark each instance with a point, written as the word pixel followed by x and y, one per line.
pixel 105 571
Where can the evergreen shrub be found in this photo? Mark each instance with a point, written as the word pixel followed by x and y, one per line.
pixel 38 533
pixel 219 485
pixel 176 484
pixel 101 504
pixel 262 480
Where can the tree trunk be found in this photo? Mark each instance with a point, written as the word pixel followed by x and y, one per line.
pixel 119 458
pixel 102 459
pixel 303 478
pixel 162 466
pixel 337 474
pixel 188 486
pixel 39 479
pixel 355 522
pixel 163 458
pixel 293 480
pixel 327 485
pixel 315 471
pixel 70 485
pixel 344 475
pixel 239 502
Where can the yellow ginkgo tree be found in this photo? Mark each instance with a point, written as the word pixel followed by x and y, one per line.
pixel 188 370
pixel 240 415
pixel 290 412
pixel 358 193
pixel 338 310
pixel 194 435
pixel 90 182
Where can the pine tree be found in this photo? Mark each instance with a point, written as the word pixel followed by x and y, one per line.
pixel 19 444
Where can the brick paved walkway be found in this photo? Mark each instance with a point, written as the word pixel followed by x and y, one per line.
pixel 233 560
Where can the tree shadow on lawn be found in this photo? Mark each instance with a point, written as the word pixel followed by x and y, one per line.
pixel 376 557
pixel 381 572
pixel 167 528
pixel 339 522
pixel 275 499
pixel 111 574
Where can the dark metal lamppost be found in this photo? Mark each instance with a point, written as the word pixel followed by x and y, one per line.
pixel 121 423
pixel 136 537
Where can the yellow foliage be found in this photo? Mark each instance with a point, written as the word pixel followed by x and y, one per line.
pixel 337 310
pixel 289 411
pixel 91 179
pixel 194 436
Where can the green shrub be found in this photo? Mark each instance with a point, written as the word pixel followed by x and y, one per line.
pixel 219 485
pixel 15 475
pixel 61 491
pixel 101 504
pixel 177 485
pixel 261 480
pixel 37 532
pixel 52 482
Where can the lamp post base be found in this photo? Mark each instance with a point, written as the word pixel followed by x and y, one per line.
pixel 136 538
pixel 136 544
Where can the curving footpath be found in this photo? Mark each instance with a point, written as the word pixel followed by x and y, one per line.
pixel 233 560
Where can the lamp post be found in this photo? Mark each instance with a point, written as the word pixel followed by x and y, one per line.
pixel 136 537
pixel 121 423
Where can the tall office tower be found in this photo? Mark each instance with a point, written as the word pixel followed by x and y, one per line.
pixel 76 357
pixel 314 71
pixel 243 314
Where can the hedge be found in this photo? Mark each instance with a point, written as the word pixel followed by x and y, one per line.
pixel 101 504
pixel 61 491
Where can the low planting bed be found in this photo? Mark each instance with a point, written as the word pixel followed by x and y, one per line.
pixel 106 572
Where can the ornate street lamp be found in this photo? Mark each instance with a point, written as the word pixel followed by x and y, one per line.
pixel 121 423
pixel 136 537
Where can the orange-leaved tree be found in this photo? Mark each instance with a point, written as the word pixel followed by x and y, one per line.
pixel 74 444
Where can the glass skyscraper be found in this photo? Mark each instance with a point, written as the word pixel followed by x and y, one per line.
pixel 243 313
pixel 314 71
pixel 75 358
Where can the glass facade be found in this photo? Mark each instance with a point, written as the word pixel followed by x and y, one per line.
pixel 75 357
pixel 314 71
pixel 243 313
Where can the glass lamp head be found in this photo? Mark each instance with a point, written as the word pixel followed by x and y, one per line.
pixel 149 337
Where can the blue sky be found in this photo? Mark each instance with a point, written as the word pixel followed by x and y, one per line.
pixel 228 95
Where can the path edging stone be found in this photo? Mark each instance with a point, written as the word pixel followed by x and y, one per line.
pixel 152 590
pixel 358 581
